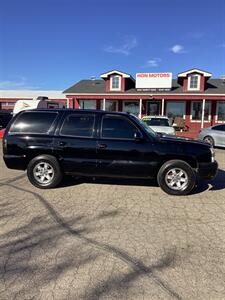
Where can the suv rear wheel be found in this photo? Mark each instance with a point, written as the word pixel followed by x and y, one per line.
pixel 209 139
pixel 176 177
pixel 44 172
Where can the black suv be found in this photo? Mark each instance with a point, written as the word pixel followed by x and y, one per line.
pixel 50 143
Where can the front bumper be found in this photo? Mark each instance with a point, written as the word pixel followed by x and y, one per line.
pixel 207 170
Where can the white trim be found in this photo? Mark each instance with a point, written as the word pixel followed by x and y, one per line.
pixel 140 108
pixel 103 104
pixel 203 113
pixel 125 75
pixel 120 80
pixel 189 82
pixel 163 107
pixel 151 95
pixel 184 74
pixel 200 121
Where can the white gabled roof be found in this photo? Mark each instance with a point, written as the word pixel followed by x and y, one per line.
pixel 184 74
pixel 125 75
pixel 23 94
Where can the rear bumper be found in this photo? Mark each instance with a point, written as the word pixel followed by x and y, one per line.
pixel 17 162
pixel 207 170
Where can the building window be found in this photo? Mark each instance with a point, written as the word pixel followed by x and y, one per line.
pixel 115 82
pixel 87 104
pixel 8 103
pixel 153 108
pixel 110 105
pixel 196 111
pixel 194 82
pixel 131 107
pixel 221 111
pixel 175 109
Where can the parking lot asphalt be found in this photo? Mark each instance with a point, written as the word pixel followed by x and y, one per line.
pixel 108 239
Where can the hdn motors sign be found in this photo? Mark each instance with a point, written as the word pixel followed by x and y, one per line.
pixel 153 80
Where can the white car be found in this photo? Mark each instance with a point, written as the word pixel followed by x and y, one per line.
pixel 159 124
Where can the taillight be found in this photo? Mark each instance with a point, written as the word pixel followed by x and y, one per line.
pixel 4 144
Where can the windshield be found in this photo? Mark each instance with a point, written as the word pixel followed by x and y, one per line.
pixel 144 125
pixel 157 122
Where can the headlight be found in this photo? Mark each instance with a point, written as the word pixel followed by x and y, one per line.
pixel 212 154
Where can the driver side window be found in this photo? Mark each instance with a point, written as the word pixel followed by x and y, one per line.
pixel 117 127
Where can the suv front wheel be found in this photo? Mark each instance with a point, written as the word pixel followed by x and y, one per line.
pixel 176 177
pixel 44 172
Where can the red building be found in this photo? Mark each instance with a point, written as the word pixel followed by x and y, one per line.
pixel 193 96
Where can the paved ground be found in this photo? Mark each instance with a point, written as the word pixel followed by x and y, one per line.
pixel 101 240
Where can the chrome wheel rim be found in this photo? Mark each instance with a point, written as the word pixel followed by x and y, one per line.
pixel 208 140
pixel 43 173
pixel 176 179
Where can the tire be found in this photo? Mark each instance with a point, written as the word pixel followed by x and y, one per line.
pixel 44 172
pixel 174 184
pixel 209 140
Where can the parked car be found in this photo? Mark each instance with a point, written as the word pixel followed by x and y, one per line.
pixel 5 117
pixel 214 135
pixel 51 143
pixel 159 124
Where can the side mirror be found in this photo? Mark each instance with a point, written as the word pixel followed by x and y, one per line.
pixel 138 136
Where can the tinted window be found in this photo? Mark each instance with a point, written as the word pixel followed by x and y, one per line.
pixel 219 127
pixel 117 127
pixel 78 125
pixel 157 122
pixel 33 122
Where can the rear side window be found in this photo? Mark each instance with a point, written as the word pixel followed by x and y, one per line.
pixel 33 122
pixel 219 127
pixel 78 125
pixel 117 128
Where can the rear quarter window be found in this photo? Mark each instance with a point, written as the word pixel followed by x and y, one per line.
pixel 219 127
pixel 33 122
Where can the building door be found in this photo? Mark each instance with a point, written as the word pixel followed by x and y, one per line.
pixel 153 108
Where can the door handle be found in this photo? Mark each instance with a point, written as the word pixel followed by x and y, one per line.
pixel 102 146
pixel 62 144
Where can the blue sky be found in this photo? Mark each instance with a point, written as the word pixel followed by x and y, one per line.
pixel 51 44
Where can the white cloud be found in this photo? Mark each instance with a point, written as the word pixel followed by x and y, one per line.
pixel 129 42
pixel 20 84
pixel 154 62
pixel 177 49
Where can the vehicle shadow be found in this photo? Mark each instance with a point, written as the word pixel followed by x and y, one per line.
pixel 218 183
